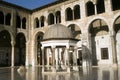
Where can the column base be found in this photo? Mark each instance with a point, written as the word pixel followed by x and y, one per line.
pixel 53 69
pixel 75 68
pixel 114 65
pixel 43 69
pixel 68 69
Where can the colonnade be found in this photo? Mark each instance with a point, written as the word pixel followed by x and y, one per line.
pixel 57 58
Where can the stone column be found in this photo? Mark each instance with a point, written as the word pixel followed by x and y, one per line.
pixel 53 60
pixel 75 67
pixel 86 53
pixel 42 59
pixel 48 57
pixel 113 44
pixel 4 18
pixel 108 6
pixel 12 73
pixel 83 10
pixel 95 8
pixel 68 63
pixel 54 18
pixel 27 53
pixel 12 55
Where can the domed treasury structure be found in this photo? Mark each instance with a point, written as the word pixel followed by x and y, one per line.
pixel 58 49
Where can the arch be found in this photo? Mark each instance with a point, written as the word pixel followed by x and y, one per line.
pixel 42 20
pixel 18 21
pixel 90 8
pixel 20 49
pixel 8 19
pixel 115 4
pixel 100 40
pixel 116 24
pixel 50 19
pixel 24 23
pixel 76 12
pixel 98 25
pixel 100 6
pixel 96 18
pixel 1 17
pixel 76 30
pixel 58 17
pixel 38 45
pixel 36 22
pixel 69 14
pixel 5 48
pixel 116 27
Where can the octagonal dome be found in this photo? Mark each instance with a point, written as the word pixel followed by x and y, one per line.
pixel 58 31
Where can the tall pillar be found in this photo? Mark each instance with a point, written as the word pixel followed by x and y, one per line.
pixel 68 63
pixel 53 59
pixel 86 53
pixel 75 67
pixel 95 8
pixel 12 56
pixel 42 59
pixel 113 50
pixel 54 19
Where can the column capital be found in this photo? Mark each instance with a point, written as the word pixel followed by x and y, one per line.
pixel 13 43
pixel 53 46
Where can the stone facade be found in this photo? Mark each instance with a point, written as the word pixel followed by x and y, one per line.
pixel 96 27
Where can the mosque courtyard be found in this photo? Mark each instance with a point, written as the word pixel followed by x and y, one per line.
pixel 35 73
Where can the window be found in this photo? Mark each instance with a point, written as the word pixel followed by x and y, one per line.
pixel 1 17
pixel 90 8
pixel 69 14
pixel 115 4
pixel 18 22
pixel 104 53
pixel 77 12
pixel 8 19
pixel 36 22
pixel 58 17
pixel 24 23
pixel 50 19
pixel 100 6
pixel 42 19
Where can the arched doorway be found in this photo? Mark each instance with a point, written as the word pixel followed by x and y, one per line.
pixel 100 42
pixel 77 35
pixel 5 49
pixel 38 40
pixel 20 49
pixel 117 33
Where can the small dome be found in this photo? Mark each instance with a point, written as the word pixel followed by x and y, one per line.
pixel 58 31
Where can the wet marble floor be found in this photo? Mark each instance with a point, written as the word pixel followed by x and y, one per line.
pixel 34 73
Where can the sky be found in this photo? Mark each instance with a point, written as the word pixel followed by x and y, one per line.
pixel 30 4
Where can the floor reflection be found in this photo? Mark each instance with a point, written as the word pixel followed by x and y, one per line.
pixel 35 74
